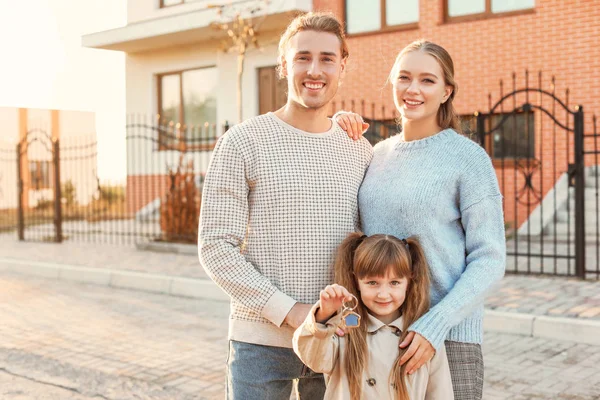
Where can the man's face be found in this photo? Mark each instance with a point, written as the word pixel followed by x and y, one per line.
pixel 313 67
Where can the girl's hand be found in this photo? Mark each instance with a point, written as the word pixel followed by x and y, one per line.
pixel 419 352
pixel 332 298
pixel 352 123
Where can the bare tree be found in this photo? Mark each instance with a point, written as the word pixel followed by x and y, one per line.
pixel 241 21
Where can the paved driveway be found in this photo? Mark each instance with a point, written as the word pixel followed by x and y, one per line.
pixel 76 341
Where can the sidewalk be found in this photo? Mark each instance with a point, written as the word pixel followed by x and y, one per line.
pixel 548 307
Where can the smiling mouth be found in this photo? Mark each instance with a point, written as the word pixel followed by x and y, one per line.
pixel 314 86
pixel 413 103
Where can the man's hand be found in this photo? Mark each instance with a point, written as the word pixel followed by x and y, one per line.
pixel 297 315
pixel 352 123
pixel 418 353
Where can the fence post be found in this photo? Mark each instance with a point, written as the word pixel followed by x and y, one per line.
pixel 20 212
pixel 57 193
pixel 480 128
pixel 579 195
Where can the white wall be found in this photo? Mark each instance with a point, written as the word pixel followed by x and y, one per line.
pixel 141 10
pixel 9 124
pixel 9 133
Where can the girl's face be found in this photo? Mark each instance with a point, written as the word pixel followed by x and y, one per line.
pixel 383 296
pixel 419 87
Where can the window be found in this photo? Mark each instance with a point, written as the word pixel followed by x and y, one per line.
pixel 39 174
pixel 188 98
pixel 167 3
pixel 375 15
pixel 514 137
pixel 468 9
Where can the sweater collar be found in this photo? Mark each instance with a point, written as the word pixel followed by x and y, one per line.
pixel 437 138
pixel 291 128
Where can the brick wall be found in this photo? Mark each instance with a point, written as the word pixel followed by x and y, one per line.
pixel 560 38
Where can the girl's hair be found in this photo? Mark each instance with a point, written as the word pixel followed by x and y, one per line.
pixel 360 256
pixel 447 116
pixel 312 21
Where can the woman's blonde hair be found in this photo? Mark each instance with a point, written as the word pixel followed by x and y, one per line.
pixel 447 116
pixel 360 256
pixel 312 21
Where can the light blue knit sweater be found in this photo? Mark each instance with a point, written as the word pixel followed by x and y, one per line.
pixel 442 189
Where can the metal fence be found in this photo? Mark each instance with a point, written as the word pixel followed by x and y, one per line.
pixel 54 192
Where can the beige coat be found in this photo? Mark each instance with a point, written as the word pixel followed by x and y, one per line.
pixel 322 350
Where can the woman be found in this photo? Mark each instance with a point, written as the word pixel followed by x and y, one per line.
pixel 431 182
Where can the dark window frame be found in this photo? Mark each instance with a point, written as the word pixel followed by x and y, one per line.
pixel 487 14
pixel 383 25
pixel 172 129
pixel 505 160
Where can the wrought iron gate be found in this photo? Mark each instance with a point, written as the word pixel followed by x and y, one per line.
pixel 38 191
pixel 536 142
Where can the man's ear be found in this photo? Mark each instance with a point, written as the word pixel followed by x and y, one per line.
pixel 283 67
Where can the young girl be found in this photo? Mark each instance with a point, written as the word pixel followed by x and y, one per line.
pixel 385 281
pixel 432 182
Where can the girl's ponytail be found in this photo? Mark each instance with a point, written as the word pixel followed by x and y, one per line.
pixel 415 305
pixel 357 353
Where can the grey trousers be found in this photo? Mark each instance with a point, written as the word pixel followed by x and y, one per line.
pixel 466 370
pixel 256 372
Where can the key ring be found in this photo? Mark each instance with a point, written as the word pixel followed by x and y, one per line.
pixel 354 301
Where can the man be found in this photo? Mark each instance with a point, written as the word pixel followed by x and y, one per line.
pixel 280 194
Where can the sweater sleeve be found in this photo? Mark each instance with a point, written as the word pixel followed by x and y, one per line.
pixel 221 234
pixel 485 247
pixel 316 344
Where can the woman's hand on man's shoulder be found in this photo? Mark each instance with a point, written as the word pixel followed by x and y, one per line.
pixel 352 123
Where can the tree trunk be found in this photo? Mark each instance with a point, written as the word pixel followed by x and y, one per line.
pixel 241 58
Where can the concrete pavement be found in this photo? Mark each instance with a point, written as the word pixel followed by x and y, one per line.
pixel 548 307
pixel 66 340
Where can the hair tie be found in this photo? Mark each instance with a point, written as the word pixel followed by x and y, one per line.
pixel 358 243
pixel 405 243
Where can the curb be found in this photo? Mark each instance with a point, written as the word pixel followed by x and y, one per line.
pixel 168 247
pixel 122 279
pixel 583 331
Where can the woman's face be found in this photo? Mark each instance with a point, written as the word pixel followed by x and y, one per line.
pixel 419 87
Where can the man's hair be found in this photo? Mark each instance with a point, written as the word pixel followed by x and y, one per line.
pixel 312 21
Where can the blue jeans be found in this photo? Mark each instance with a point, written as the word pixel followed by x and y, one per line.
pixel 257 372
